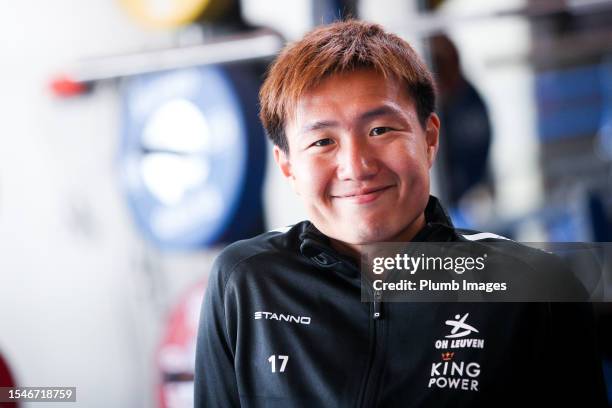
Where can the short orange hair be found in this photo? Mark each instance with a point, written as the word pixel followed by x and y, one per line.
pixel 338 48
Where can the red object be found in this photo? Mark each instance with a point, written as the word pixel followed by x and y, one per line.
pixel 66 87
pixel 6 380
pixel 176 354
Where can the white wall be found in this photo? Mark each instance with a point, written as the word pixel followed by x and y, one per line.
pixel 83 300
pixel 80 304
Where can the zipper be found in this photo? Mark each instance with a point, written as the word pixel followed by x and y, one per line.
pixel 370 380
pixel 377 315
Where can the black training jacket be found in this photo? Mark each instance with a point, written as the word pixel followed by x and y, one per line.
pixel 282 325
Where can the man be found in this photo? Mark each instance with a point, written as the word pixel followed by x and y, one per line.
pixel 466 129
pixel 350 110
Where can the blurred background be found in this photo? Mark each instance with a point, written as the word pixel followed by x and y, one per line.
pixel 131 153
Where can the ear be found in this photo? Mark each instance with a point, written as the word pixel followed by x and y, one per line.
pixel 432 137
pixel 282 161
pixel 284 164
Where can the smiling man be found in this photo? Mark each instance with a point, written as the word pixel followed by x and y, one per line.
pixel 350 110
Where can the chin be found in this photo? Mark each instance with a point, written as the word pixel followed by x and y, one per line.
pixel 369 234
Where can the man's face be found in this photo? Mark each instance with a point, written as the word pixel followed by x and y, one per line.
pixel 359 158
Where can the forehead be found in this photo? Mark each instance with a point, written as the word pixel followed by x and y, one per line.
pixel 351 92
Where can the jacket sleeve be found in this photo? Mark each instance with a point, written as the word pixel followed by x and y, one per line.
pixel 215 377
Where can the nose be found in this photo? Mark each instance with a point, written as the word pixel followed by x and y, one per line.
pixel 357 160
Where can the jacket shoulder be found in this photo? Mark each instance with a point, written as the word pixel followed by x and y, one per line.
pixel 267 245
pixel 504 246
pixel 552 273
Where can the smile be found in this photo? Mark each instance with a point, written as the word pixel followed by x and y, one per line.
pixel 363 196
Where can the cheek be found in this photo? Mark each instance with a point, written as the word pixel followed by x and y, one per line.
pixel 313 177
pixel 411 164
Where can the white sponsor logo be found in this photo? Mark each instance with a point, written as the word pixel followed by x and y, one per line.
pixel 451 373
pixel 459 329
pixel 457 375
pixel 282 317
pixel 458 324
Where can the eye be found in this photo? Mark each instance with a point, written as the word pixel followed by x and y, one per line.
pixel 377 131
pixel 323 142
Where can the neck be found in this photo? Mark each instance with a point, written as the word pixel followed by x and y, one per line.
pixel 356 250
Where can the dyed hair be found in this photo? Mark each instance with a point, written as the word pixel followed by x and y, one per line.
pixel 337 48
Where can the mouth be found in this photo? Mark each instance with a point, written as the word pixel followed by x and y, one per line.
pixel 363 196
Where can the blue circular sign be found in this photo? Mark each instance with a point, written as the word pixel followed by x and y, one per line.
pixel 192 155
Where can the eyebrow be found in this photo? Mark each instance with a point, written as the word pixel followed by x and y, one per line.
pixel 319 125
pixel 380 111
pixel 368 115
